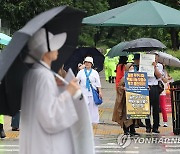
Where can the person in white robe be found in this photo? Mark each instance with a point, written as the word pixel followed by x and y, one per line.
pixel 50 121
pixel 95 81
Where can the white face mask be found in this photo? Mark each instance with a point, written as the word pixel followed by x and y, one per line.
pixel 132 70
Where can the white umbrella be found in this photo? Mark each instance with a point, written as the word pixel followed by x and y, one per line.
pixel 168 59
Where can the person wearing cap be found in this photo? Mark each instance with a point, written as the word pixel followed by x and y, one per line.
pixel 154 96
pixel 47 116
pixel 136 60
pixel 82 76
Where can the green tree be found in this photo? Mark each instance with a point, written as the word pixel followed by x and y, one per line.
pixel 18 12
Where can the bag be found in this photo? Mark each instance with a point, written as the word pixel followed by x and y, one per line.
pixel 98 100
pixel 161 86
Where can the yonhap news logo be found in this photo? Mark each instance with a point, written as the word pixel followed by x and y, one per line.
pixel 125 140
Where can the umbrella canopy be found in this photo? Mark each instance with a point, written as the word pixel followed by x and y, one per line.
pixel 12 68
pixel 140 13
pixel 117 50
pixel 143 44
pixel 4 39
pixel 79 55
pixel 168 59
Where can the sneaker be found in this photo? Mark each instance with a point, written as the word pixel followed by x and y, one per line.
pixel 155 131
pixel 165 125
pixel 2 134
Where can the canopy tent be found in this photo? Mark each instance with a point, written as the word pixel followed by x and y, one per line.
pixel 140 13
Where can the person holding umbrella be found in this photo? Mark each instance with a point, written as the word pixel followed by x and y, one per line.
pixel 2 133
pixel 47 116
pixel 154 96
pixel 136 60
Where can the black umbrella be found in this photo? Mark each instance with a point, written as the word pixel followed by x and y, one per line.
pixel 57 20
pixel 144 44
pixel 79 55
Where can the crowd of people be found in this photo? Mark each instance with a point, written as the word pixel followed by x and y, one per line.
pixel 157 100
pixel 48 106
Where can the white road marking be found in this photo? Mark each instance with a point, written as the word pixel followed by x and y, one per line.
pixel 107 147
pixel 172 146
pixel 9 150
pixel 172 150
pixel 8 145
pixel 105 151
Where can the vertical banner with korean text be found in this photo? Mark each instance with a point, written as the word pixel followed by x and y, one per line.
pixel 137 95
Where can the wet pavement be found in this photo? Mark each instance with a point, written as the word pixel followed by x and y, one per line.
pixel 108 134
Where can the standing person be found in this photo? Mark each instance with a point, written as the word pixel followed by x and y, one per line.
pixel 94 79
pixel 111 69
pixel 2 133
pixel 165 79
pixel 154 96
pixel 106 63
pixel 119 113
pixel 49 118
pixel 15 121
pixel 106 68
pixel 136 60
pixel 120 69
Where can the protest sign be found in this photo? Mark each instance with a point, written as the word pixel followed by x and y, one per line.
pixel 137 95
pixel 145 65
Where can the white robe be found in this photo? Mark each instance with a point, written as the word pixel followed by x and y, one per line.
pixel 95 81
pixel 52 122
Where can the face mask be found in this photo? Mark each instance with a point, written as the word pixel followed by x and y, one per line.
pixel 132 70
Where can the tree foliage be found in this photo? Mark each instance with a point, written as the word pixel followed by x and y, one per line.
pixel 18 12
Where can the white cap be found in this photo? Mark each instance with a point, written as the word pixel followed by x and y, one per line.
pixel 38 44
pixel 89 59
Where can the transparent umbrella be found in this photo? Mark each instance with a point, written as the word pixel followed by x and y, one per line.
pixel 168 59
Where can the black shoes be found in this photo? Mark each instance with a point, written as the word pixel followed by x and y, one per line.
pixel 155 131
pixel 134 134
pixel 15 129
pixel 141 124
pixel 148 130
pixel 2 134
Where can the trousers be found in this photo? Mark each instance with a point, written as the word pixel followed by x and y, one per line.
pixel 154 103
